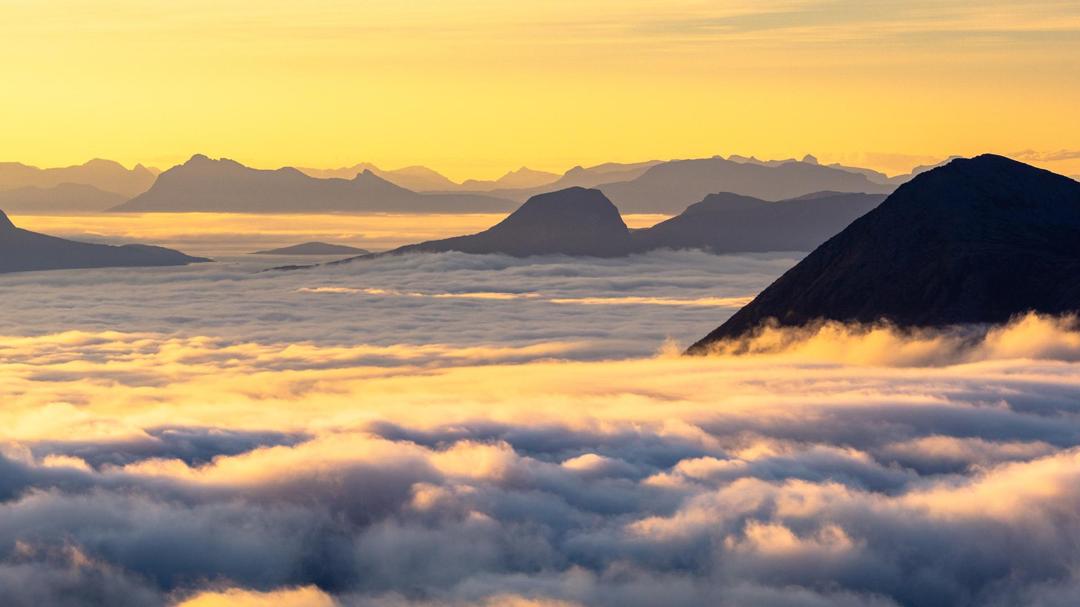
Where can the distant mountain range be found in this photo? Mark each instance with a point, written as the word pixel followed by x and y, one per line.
pixel 202 184
pixel 105 175
pixel 315 248
pixel 671 186
pixel 874 176
pixel 521 178
pixel 512 184
pixel 581 221
pixel 975 241
pixel 58 199
pixel 580 177
pixel 205 185
pixel 24 251
pixel 415 178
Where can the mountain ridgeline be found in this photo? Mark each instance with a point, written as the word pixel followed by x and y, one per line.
pixel 205 185
pixel 103 175
pixel 575 221
pixel 582 221
pixel 25 251
pixel 670 187
pixel 976 241
pixel 64 198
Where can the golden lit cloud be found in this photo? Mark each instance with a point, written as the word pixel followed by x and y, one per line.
pixel 302 475
pixel 299 597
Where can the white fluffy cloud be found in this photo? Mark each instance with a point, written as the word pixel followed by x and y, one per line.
pixel 339 460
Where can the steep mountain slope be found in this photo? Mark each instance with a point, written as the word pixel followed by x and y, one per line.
pixel 975 241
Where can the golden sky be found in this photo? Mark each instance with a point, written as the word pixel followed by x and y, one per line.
pixel 476 87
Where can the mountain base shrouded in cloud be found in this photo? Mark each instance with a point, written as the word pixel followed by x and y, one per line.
pixel 454 429
pixel 24 251
pixel 976 241
pixel 314 248
pixel 583 222
pixel 575 221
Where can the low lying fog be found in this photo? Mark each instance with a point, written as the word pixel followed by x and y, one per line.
pixel 452 430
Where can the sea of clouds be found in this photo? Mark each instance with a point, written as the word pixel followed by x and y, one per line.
pixel 453 430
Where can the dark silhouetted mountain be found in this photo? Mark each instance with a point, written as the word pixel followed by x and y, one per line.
pixel 104 175
pixel 672 186
pixel 730 223
pixel 575 221
pixel 64 198
pixel 315 248
pixel 24 251
pixel 580 221
pixel 975 241
pixel 205 185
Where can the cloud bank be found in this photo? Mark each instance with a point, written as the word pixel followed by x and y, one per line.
pixel 453 430
pixel 610 308
pixel 148 469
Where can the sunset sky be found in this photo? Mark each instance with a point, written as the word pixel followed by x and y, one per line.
pixel 478 87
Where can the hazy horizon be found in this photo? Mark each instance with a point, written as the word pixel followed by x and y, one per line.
pixel 691 374
pixel 890 164
pixel 330 83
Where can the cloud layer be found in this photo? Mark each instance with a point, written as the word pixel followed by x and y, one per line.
pixel 238 461
pixel 617 307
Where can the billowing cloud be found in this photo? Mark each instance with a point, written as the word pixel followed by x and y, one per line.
pixel 250 463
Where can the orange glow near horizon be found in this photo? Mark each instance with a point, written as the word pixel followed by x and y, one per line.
pixel 476 88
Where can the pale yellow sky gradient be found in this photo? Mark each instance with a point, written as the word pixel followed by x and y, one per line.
pixel 474 88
